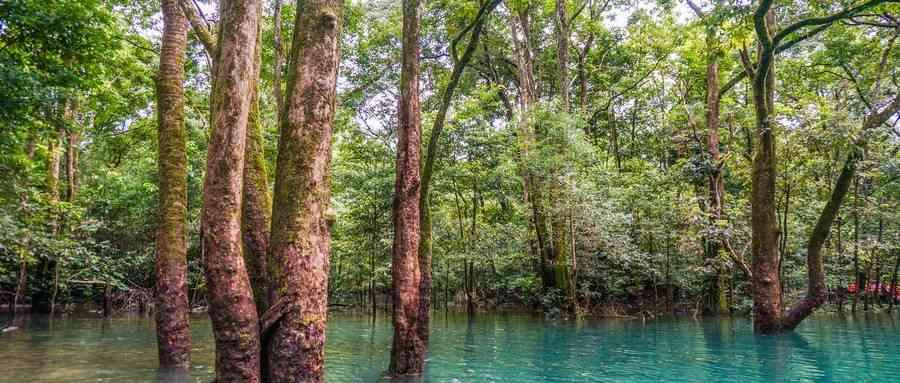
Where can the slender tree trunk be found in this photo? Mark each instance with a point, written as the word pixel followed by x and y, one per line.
pixel 47 301
pixel 231 305
pixel 172 322
pixel 716 282
pixel 72 141
pixel 561 273
pixel 408 350
pixel 425 226
pixel 301 232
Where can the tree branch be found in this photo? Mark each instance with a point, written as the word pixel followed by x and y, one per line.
pixel 199 26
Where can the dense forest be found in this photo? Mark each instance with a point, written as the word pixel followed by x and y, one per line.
pixel 269 161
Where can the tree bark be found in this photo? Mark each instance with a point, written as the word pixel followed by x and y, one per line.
pixel 765 282
pixel 231 305
pixel 301 234
pixel 172 322
pixel 256 207
pixel 408 350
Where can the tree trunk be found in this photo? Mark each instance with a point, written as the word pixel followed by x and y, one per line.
pixel 560 259
pixel 301 233
pixel 72 141
pixel 231 305
pixel 425 226
pixel 172 322
pixel 765 282
pixel 716 281
pixel 408 350
pixel 256 208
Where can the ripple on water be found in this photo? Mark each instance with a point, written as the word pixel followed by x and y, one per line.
pixel 492 348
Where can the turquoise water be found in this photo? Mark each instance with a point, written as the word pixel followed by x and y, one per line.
pixel 493 348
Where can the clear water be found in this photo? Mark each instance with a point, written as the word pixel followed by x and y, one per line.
pixel 493 348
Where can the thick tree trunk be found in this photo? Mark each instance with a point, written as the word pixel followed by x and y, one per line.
pixel 765 282
pixel 172 323
pixel 408 350
pixel 231 305
pixel 301 234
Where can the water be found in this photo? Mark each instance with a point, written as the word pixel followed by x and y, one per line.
pixel 493 348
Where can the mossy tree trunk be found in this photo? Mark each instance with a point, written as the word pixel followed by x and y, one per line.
pixel 256 207
pixel 408 350
pixel 172 325
pixel 301 234
pixel 767 305
pixel 563 277
pixel 231 305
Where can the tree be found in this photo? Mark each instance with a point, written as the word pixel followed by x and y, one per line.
pixel 231 304
pixel 408 350
pixel 767 299
pixel 172 327
pixel 301 234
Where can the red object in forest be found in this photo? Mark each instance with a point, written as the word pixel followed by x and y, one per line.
pixel 852 289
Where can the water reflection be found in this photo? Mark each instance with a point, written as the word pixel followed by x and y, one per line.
pixel 490 348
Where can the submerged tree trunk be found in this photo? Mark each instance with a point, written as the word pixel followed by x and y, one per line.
pixel 408 350
pixel 301 234
pixel 172 328
pixel 231 305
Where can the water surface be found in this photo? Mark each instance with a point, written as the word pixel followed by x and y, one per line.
pixel 501 347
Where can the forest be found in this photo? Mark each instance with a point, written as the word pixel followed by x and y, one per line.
pixel 264 165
